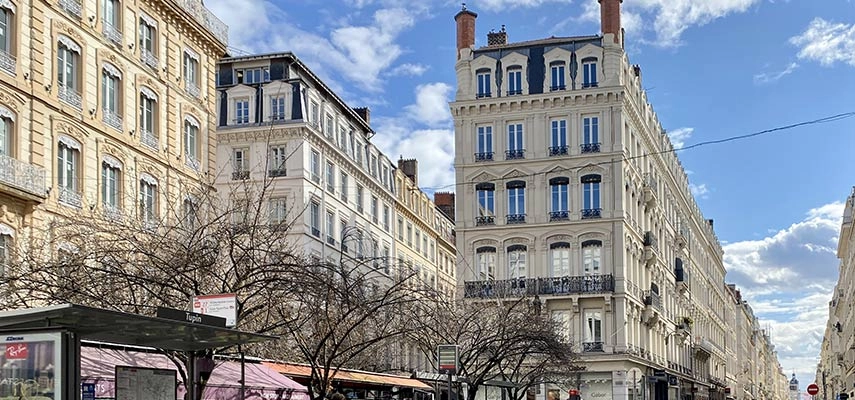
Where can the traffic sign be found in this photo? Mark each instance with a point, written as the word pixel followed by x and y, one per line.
pixel 447 359
pixel 812 389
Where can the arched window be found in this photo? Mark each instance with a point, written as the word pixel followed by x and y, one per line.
pixel 592 253
pixel 7 34
pixel 148 199
pixel 486 263
pixel 111 94
pixel 560 255
pixel 68 171
pixel 7 236
pixel 68 72
pixel 148 117
pixel 111 183
pixel 517 257
pixel 191 141
pixel 7 132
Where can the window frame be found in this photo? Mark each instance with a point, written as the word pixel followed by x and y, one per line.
pixel 148 200
pixel 559 266
pixel 485 263
pixel 517 261
pixel 483 83
pixel 111 185
pixel 515 86
pixel 558 79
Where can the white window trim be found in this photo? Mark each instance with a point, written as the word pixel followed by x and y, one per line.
pixel 111 161
pixel 145 17
pixel 69 43
pixel 111 70
pixel 192 121
pixel 190 52
pixel 7 113
pixel 69 142
pixel 145 177
pixel 6 230
pixel 148 93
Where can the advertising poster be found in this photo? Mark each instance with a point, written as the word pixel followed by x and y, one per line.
pixel 29 366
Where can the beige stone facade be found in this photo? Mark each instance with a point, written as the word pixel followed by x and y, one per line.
pixel 97 98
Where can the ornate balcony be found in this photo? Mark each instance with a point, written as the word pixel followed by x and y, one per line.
pixel 485 220
pixel 703 348
pixel 589 347
pixel 559 216
pixel 515 219
pixel 517 154
pixel 112 119
pixel 587 85
pixel 111 32
pixel 112 212
pixel 558 151
pixel 590 147
pixel 149 139
pixel 70 96
pixel 650 190
pixel 70 197
pixel 484 156
pixel 240 175
pixel 276 172
pixel 557 87
pixel 8 62
pixel 514 92
pixel 653 300
pixel 591 213
pixel 192 89
pixel 72 7
pixel 191 162
pixel 651 252
pixel 23 176
pixel 557 286
pixel 206 18
pixel 484 95
pixel 148 58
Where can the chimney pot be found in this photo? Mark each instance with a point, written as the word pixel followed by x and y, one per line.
pixel 465 29
pixel 610 19
pixel 364 113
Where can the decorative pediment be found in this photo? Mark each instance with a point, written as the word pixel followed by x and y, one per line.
pixel 591 169
pixel 515 173
pixel 108 147
pixel 70 128
pixel 522 241
pixel 11 100
pixel 68 31
pixel 485 242
pixel 557 54
pixel 240 90
pixel 482 177
pixel 515 58
pixel 483 62
pixel 589 50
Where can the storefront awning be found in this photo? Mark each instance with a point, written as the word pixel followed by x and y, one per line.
pixel 123 328
pixel 305 371
pixel 97 365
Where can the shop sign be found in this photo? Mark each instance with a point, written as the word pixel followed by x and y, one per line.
pixel 218 305
pixel 17 351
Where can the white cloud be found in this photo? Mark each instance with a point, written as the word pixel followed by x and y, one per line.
pixel 827 42
pixel 766 78
pixel 431 106
pixel 699 191
pixel 497 5
pixel 409 69
pixel 679 136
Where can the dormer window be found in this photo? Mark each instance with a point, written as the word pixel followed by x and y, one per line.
pixel 589 72
pixel 557 71
pixel 253 75
pixel 514 80
pixel 483 78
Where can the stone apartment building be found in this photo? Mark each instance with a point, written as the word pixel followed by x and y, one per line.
pixel 568 190
pixel 104 107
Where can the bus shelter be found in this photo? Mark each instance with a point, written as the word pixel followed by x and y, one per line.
pixel 45 345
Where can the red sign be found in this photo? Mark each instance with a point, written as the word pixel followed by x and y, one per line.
pixel 813 389
pixel 16 351
pixel 573 392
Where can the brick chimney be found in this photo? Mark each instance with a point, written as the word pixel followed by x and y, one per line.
pixel 499 38
pixel 465 29
pixel 445 202
pixel 610 19
pixel 364 113
pixel 410 168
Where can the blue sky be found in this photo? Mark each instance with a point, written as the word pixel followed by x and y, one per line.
pixel 712 68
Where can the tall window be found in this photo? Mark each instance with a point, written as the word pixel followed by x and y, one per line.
pixel 359 198
pixel 409 234
pixel 485 144
pixel 242 111
pixel 515 142
pixel 68 168
pixel 316 166
pixel 483 78
pixel 111 20
pixel 278 157
pixel 110 184
pixel 315 219
pixel 330 227
pixel 593 330
pixel 189 214
pixel 148 41
pixel 557 71
pixel 110 94
pixel 516 202
pixel 485 192
pixel 191 144
pixel 316 119
pixel 558 139
pixel 68 59
pixel 486 263
pixel 328 126
pixel 560 255
pixel 400 229
pixel 6 132
pixel 591 196
pixel 330 177
pixel 277 108
pixel 6 243
pixel 517 255
pixel 5 26
pixel 386 217
pixel 240 163
pixel 559 204
pixel 562 320
pixel 191 72
pixel 148 199
pixel 514 81
pixel 345 181
pixel 590 135
pixel 592 251
pixel 278 210
pixel 589 73
pixel 374 209
pixel 148 132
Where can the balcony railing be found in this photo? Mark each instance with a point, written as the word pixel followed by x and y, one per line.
pixel 149 139
pixel 591 213
pixel 111 32
pixel 484 95
pixel 112 119
pixel 589 85
pixel 559 216
pixel 514 92
pixel 557 87
pixel 240 175
pixel 148 58
pixel 206 18
pixel 192 89
pixel 191 161
pixel 652 299
pixel 485 220
pixel 558 151
pixel 21 175
pixel 588 347
pixel 70 96
pixel 517 154
pixel 590 147
pixel 556 286
pixel 515 219
pixel 8 62
pixel 316 232
pixel 650 239
pixel 72 7
pixel 484 156
pixel 273 173
pixel 331 240
pixel 70 197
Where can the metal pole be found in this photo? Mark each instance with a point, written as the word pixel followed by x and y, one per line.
pixel 191 376
pixel 449 384
pixel 242 373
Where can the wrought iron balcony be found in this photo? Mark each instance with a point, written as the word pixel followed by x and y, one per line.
pixel 191 162
pixel 70 197
pixel 590 147
pixel 514 92
pixel 316 232
pixel 557 286
pixel 7 62
pixel 149 139
pixel 273 173
pixel 559 216
pixel 650 190
pixel 484 156
pixel 112 212
pixel 484 95
pixel 331 240
pixel 652 299
pixel 558 87
pixel 589 347
pixel 650 239
pixel 517 154
pixel 485 220
pixel 240 175
pixel 192 89
pixel 558 151
pixel 591 213
pixel 72 7
pixel 589 85
pixel 111 32
pixel 112 119
pixel 515 219
pixel 70 96
pixel 206 18
pixel 148 58
pixel 21 175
